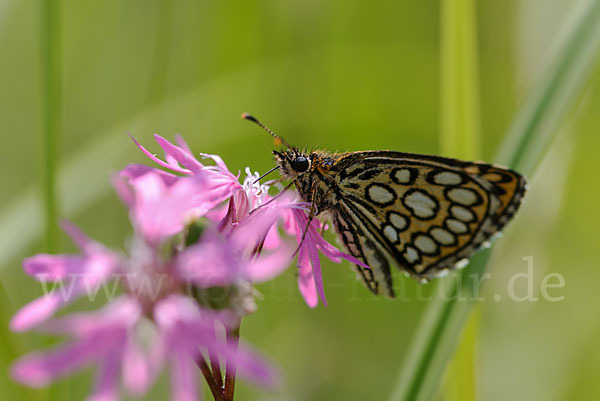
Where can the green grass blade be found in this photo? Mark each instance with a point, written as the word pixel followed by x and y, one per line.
pixel 459 80
pixel 51 115
pixel 534 127
pixel 460 138
pixel 436 336
pixel 561 85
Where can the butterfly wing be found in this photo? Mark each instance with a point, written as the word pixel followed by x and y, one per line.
pixel 363 245
pixel 428 214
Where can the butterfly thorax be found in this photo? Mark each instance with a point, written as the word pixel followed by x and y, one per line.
pixel 314 175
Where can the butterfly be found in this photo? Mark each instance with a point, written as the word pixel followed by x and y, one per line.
pixel 426 214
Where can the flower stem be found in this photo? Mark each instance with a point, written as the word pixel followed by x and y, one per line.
pixel 215 389
pixel 216 369
pixel 232 338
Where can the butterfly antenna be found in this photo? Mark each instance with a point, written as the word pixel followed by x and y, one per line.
pixel 249 117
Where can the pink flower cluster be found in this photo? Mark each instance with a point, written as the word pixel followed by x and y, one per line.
pixel 196 229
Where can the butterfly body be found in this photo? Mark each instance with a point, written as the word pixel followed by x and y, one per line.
pixel 425 214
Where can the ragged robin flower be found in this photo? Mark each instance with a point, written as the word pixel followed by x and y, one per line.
pixel 201 240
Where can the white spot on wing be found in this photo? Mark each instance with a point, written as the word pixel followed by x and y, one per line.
pixel 456 226
pixel 421 204
pixel 464 196
pixel 425 244
pixel 402 176
pixel 462 213
pixel 447 178
pixel 411 254
pixel 443 236
pixel 398 221
pixel 380 194
pixel 391 233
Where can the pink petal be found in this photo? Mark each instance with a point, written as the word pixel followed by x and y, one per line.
pixel 183 376
pixel 81 240
pixel 136 373
pixel 308 258
pixel 53 267
pixel 39 369
pixel 253 367
pixel 121 314
pixel 252 230
pixel 237 209
pixel 182 144
pixel 186 159
pixel 310 281
pixel 268 266
pixel 160 212
pixel 335 254
pixel 122 182
pixel 306 281
pixel 36 312
pixel 134 171
pixel 217 159
pixel 209 263
pixel 316 270
pixel 158 161
pixel 188 327
pixel 123 190
pixel 95 269
pixel 273 239
pixel 107 378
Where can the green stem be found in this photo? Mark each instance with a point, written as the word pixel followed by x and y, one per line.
pixel 459 80
pixel 460 138
pixel 51 115
pixel 51 103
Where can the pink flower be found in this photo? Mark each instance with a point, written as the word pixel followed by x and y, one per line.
pixel 215 262
pixel 252 197
pixel 169 278
pixel 161 205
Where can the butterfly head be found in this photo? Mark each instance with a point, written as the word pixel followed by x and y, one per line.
pixel 292 163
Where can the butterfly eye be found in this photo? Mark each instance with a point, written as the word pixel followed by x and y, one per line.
pixel 300 164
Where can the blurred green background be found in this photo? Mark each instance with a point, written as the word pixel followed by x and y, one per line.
pixel 337 75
